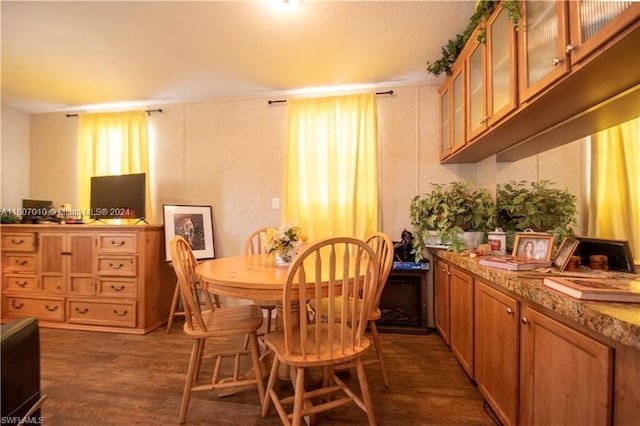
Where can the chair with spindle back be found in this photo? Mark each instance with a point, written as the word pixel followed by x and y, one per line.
pixel 210 324
pixel 329 268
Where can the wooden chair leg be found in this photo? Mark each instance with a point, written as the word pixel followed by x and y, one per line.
pixel 174 307
pixel 298 398
pixel 378 346
pixel 366 395
pixel 255 355
pixel 270 385
pixel 188 384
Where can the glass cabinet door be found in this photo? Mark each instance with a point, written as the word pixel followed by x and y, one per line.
pixel 542 44
pixel 594 22
pixel 476 97
pixel 501 63
pixel 445 114
pixel 457 108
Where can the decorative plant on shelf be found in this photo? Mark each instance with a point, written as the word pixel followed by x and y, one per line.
pixel 448 211
pixel 483 11
pixel 535 206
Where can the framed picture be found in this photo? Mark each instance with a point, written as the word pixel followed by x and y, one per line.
pixel 194 223
pixel 533 246
pixel 618 252
pixel 565 251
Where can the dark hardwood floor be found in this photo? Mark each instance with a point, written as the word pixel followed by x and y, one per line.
pixel 116 379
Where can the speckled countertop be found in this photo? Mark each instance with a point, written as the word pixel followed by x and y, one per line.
pixel 617 321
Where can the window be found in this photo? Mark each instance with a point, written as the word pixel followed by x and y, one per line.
pixel 331 166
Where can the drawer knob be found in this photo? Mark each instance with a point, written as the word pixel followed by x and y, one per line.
pixel 117 244
pixel 115 311
pixel 112 266
pixel 16 305
pixel 51 309
pixel 21 284
pixel 21 262
pixel 17 242
pixel 114 288
pixel 82 311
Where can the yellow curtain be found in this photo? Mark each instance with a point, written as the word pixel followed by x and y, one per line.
pixel 614 207
pixel 331 166
pixel 112 144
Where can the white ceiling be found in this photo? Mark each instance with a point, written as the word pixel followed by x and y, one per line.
pixel 65 56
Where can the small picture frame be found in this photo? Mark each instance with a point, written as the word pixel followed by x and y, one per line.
pixel 567 247
pixel 535 246
pixel 194 223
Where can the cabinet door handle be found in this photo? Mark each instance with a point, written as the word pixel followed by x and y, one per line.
pixel 115 311
pixel 556 61
pixel 509 311
pixel 112 266
pixel 16 305
pixel 82 311
pixel 117 244
pixel 114 288
pixel 51 309
pixel 569 48
pixel 17 242
pixel 524 320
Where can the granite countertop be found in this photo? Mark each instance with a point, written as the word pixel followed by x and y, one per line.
pixel 617 321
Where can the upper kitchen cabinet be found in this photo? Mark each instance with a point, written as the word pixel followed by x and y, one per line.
pixel 542 43
pixel 592 23
pixel 576 74
pixel 491 75
pixel 452 114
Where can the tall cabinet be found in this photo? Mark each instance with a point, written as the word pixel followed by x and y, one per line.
pixel 86 277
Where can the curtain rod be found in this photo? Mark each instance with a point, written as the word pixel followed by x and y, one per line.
pixel 148 111
pixel 279 101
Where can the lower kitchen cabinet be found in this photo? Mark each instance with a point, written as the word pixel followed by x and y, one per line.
pixel 461 318
pixel 496 350
pixel 565 376
pixel 441 298
pixel 532 366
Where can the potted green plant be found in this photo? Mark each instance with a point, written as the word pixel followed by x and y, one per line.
pixel 535 206
pixel 447 212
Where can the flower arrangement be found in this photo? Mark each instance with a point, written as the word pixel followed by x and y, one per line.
pixel 284 241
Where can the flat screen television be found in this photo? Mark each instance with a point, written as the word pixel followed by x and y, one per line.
pixel 118 197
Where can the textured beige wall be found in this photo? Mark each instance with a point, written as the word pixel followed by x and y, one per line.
pixel 229 155
pixel 15 151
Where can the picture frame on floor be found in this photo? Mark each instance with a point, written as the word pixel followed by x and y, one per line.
pixel 194 223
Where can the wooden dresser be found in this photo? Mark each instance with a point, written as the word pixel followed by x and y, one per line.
pixel 87 277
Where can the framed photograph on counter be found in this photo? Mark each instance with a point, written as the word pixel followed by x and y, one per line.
pixel 531 245
pixel 194 223
pixel 565 251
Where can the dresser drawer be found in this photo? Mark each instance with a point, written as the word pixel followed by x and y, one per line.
pixel 21 283
pixel 19 241
pixel 17 262
pixel 117 287
pixel 118 265
pixel 118 243
pixel 102 312
pixel 49 308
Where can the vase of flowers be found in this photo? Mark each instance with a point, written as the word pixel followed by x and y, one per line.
pixel 285 242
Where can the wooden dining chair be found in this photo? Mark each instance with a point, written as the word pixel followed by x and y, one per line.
pixel 382 245
pixel 210 324
pixel 329 268
pixel 254 245
pixel 207 301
